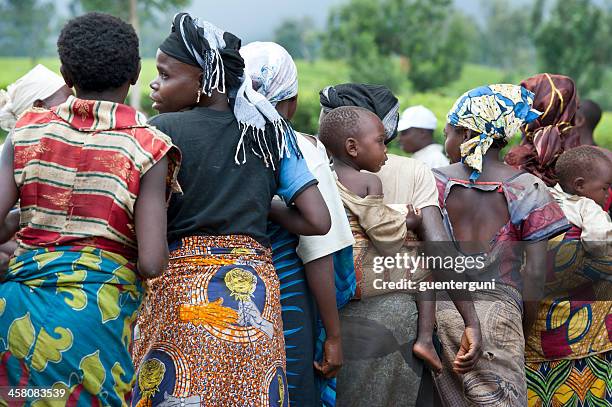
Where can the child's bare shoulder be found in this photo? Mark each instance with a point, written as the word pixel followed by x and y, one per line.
pixel 373 184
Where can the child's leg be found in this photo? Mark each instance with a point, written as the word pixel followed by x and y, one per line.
pixel 423 347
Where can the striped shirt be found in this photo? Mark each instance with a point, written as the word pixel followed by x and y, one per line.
pixel 78 169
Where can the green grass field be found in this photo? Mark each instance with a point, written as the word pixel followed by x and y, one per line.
pixel 314 76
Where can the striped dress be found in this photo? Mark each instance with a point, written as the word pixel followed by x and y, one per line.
pixel 78 170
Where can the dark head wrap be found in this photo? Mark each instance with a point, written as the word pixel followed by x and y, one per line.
pixel 201 44
pixel 376 98
pixel 548 136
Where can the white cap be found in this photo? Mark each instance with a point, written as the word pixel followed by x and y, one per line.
pixel 417 116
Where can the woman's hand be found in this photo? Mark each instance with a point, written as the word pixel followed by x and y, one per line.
pixel 332 358
pixel 470 350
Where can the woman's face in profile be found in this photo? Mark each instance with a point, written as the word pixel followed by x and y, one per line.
pixel 452 145
pixel 176 86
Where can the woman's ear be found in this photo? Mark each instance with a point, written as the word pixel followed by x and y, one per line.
pixel 67 77
pixel 137 74
pixel 350 145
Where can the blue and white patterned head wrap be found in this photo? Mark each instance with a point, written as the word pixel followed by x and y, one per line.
pixel 271 69
pixel 496 112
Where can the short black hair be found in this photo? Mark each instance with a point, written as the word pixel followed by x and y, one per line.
pixel 581 161
pixel 340 124
pixel 591 112
pixel 98 51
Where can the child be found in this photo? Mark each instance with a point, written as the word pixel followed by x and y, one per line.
pixel 585 176
pixel 90 174
pixel 355 138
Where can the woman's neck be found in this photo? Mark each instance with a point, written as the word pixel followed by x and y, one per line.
pixel 216 101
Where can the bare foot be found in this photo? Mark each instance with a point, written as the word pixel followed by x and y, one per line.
pixel 425 351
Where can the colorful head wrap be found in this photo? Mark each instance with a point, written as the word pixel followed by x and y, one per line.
pixel 271 69
pixel 200 43
pixel 38 83
pixel 496 112
pixel 548 136
pixel 376 98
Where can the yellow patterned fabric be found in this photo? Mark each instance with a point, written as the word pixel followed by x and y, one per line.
pixel 575 318
pixel 66 317
pixel 583 382
pixel 493 111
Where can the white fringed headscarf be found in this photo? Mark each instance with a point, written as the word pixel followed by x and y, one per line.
pixel 39 83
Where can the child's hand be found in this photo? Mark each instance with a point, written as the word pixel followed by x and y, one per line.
pixel 413 218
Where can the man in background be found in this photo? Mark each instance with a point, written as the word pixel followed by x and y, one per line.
pixel 416 127
pixel 588 116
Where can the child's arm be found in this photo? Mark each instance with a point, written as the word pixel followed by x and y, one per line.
pixel 150 221
pixel 320 277
pixel 309 217
pixel 413 218
pixel 8 193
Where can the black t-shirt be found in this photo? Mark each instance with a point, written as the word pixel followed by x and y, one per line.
pixel 219 197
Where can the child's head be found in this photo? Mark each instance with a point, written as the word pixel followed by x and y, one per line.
pixel 585 171
pixel 99 53
pixel 355 134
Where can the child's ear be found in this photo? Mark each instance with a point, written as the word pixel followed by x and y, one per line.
pixel 67 77
pixel 578 185
pixel 351 147
pixel 136 75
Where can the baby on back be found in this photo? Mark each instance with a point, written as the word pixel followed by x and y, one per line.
pixel 585 176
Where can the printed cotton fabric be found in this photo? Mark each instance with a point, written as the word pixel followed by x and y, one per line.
pixel 66 317
pixel 494 112
pixel 210 332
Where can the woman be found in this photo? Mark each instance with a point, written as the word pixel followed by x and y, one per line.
pixel 304 263
pixel 385 372
pixel 89 174
pixel 211 330
pixel 571 337
pixel 513 207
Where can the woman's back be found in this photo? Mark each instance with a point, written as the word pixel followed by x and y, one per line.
pixel 78 169
pixel 477 212
pixel 219 196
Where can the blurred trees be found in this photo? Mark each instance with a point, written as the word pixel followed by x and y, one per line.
pixel 426 35
pixel 25 27
pixel 298 37
pixel 576 40
pixel 505 36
